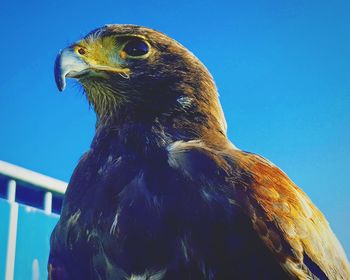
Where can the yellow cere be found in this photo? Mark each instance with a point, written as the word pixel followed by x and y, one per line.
pixel 99 51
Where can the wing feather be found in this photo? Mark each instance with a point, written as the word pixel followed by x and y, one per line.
pixel 293 220
pixel 283 216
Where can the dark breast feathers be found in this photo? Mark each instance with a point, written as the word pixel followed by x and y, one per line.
pixel 189 212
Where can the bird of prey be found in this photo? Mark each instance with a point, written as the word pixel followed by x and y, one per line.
pixel 162 193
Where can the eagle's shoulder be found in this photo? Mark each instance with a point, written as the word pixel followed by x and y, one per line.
pixel 289 223
pixel 282 215
pixel 195 159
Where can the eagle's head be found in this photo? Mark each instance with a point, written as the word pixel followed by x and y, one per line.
pixel 131 73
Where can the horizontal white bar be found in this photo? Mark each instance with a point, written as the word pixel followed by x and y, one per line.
pixel 31 177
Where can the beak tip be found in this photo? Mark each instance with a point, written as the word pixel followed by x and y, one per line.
pixel 61 84
pixel 60 78
pixel 61 89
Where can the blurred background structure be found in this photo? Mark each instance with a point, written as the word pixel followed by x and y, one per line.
pixel 29 206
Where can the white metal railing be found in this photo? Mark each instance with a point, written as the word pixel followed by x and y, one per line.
pixel 17 179
pixel 34 178
pixel 48 184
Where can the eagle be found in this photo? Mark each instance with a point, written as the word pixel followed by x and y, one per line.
pixel 162 193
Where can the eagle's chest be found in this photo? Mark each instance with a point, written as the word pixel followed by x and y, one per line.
pixel 122 202
pixel 130 214
pixel 109 183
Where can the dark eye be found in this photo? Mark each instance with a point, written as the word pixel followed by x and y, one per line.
pixel 136 47
pixel 81 51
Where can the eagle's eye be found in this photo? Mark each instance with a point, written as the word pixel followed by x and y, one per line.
pixel 136 47
pixel 81 51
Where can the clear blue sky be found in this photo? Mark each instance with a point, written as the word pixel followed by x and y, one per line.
pixel 282 69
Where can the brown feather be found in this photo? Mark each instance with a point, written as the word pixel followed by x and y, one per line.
pixel 294 225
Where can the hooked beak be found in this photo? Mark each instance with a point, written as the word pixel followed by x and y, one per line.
pixel 68 64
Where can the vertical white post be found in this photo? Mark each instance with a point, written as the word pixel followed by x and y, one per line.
pixel 48 202
pixel 35 270
pixel 11 191
pixel 12 235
